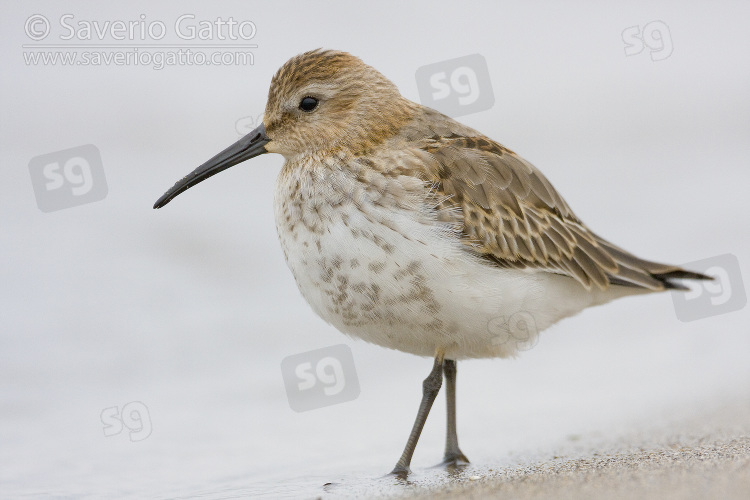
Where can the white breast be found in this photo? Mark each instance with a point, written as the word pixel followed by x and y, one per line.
pixel 382 269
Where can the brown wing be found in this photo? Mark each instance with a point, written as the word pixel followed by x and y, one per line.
pixel 513 216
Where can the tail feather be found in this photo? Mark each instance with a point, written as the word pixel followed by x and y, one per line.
pixel 636 272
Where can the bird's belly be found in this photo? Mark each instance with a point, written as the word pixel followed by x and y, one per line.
pixel 410 285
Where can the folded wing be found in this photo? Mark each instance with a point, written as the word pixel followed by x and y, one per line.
pixel 513 216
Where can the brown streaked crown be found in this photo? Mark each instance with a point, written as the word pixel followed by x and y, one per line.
pixel 358 106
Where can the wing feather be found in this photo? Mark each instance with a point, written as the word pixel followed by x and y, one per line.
pixel 511 214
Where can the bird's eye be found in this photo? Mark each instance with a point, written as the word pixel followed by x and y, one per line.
pixel 308 104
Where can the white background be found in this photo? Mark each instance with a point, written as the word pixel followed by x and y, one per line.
pixel 190 309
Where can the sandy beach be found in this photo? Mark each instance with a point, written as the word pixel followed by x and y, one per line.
pixel 707 457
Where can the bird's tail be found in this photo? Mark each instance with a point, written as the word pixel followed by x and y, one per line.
pixel 636 272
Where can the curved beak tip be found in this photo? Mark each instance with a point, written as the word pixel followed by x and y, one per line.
pixel 250 146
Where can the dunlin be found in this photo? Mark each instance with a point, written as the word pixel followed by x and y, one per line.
pixel 409 230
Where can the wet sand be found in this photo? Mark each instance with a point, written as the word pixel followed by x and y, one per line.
pixel 701 457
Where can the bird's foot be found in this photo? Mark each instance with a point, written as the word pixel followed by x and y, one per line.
pixel 454 458
pixel 400 471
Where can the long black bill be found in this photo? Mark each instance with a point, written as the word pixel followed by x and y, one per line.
pixel 250 146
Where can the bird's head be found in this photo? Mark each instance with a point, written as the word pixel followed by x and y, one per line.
pixel 319 103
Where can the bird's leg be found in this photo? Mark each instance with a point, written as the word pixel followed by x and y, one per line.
pixel 430 389
pixel 452 452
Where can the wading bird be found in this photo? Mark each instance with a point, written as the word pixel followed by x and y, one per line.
pixel 407 229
